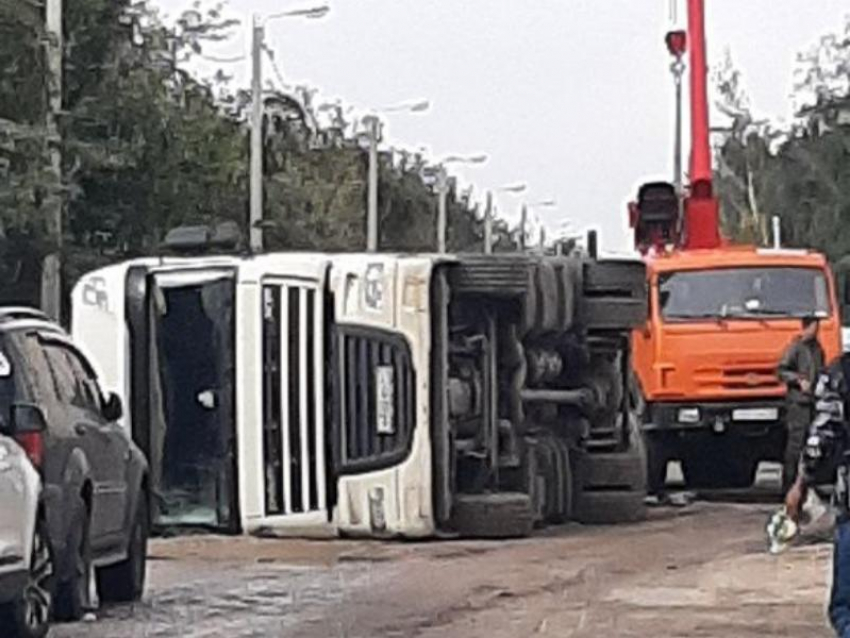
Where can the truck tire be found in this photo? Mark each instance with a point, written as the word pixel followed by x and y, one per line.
pixel 500 515
pixel 614 295
pixel 658 454
pixel 610 508
pixel 713 471
pixel 611 487
pixel 497 275
pixel 553 467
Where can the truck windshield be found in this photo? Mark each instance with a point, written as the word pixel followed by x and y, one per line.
pixel 743 293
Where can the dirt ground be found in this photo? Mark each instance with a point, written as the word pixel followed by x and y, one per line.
pixel 702 570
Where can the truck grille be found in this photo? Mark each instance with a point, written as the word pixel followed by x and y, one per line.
pixel 293 400
pixel 366 438
pixel 741 377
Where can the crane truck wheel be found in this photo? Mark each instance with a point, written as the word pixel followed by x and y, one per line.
pixel 711 472
pixel 658 454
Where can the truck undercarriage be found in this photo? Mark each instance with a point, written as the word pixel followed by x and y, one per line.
pixel 530 421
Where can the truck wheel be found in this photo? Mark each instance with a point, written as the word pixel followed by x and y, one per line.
pixel 500 515
pixel 611 487
pixel 72 592
pixel 614 295
pixel 658 455
pixel 124 582
pixel 610 508
pixel 711 472
pixel 553 466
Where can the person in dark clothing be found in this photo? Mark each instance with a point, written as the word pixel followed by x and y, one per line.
pixel 799 368
pixel 825 459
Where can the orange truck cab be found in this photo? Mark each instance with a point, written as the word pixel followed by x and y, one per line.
pixel 706 361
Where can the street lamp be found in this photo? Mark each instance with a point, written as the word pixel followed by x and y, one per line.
pixel 442 192
pixel 255 228
pixel 373 132
pixel 511 189
pixel 523 218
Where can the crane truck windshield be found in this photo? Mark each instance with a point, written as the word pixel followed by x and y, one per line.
pixel 745 293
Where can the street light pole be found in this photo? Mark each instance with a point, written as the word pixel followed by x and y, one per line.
pixel 372 124
pixel 255 230
pixel 442 194
pixel 488 224
pixel 258 33
pixel 443 191
pixel 490 213
pixel 523 221
pixel 373 133
pixel 51 268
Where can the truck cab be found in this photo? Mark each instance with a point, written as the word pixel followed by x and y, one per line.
pixel 706 360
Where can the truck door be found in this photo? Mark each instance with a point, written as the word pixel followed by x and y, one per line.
pixel 181 365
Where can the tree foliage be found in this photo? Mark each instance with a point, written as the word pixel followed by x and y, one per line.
pixel 146 146
pixel 802 173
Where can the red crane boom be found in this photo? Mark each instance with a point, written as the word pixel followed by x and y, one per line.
pixel 702 210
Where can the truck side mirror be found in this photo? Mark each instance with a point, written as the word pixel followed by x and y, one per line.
pixel 113 409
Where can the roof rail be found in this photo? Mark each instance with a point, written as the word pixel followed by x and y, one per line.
pixel 9 313
pixel 38 325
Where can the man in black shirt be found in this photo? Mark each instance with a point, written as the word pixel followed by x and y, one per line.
pixel 826 459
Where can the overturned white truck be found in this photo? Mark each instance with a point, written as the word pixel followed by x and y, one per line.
pixel 380 395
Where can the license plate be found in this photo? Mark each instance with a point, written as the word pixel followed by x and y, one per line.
pixel 755 414
pixel 385 400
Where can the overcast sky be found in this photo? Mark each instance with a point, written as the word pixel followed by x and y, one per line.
pixel 573 97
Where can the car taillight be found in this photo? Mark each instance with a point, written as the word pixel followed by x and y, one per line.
pixel 33 444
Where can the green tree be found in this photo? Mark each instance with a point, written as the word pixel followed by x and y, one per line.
pixel 146 147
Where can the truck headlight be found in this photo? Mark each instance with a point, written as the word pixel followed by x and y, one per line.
pixel 688 415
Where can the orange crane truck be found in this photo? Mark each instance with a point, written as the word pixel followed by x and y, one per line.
pixel 705 380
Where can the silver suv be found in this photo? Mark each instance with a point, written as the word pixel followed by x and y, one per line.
pixel 26 564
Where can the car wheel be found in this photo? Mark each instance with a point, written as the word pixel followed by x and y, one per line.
pixel 29 617
pixel 72 593
pixel 124 582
